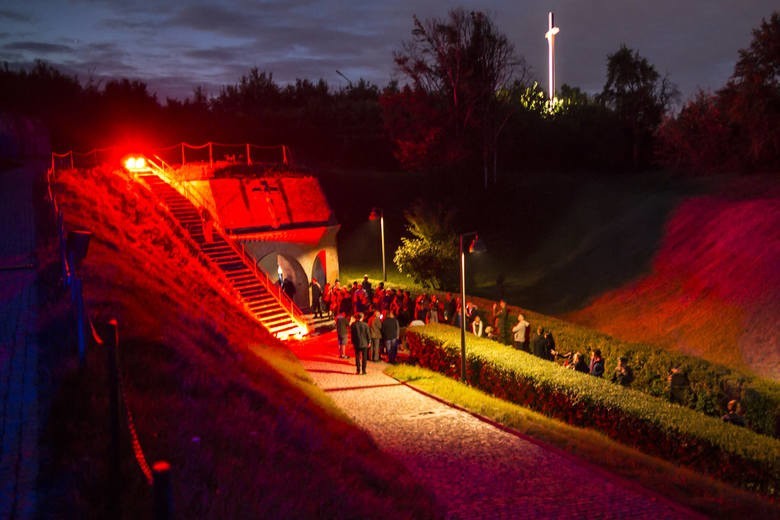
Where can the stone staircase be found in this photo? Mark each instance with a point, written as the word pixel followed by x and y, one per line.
pixel 277 313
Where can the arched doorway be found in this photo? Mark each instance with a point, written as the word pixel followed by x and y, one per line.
pixel 273 262
pixel 319 269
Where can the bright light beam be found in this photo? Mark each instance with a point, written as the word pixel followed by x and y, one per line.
pixel 550 35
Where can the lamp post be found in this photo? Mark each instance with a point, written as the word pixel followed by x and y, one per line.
pixel 378 213
pixel 476 246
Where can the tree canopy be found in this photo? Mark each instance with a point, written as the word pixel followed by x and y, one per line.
pixel 457 68
pixel 736 129
pixel 639 97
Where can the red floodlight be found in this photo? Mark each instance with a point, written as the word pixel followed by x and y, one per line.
pixel 135 163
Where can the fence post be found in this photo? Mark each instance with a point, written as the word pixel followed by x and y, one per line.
pixel 161 482
pixel 114 480
pixel 248 155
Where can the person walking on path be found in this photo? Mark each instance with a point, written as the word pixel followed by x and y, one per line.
pixel 361 338
pixel 433 440
pixel 391 332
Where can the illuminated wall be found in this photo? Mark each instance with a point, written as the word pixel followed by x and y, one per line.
pixel 282 220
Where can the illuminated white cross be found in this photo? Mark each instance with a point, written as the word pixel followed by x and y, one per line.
pixel 550 35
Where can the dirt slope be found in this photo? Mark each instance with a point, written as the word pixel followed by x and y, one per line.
pixel 714 286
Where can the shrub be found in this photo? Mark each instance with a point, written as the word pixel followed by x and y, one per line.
pixel 652 425
pixel 712 385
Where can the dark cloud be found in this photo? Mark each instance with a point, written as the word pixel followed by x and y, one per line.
pixel 179 44
pixel 14 16
pixel 38 47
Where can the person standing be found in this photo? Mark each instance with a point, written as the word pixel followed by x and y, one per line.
pixel 519 333
pixel 375 327
pixel 538 344
pixel 501 321
pixel 361 338
pixel 289 288
pixel 342 333
pixel 391 332
pixel 326 296
pixel 316 298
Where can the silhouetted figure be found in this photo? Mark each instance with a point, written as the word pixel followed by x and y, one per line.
pixel 623 374
pixel 734 413
pixel 679 386
pixel 316 298
pixel 288 287
pixel 342 334
pixel 375 327
pixel 578 363
pixel 391 331
pixel 208 225
pixel 596 367
pixel 361 339
pixel 538 344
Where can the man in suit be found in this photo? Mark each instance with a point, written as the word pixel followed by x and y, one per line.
pixel 361 339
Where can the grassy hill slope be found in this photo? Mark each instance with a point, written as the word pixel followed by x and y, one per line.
pixel 714 286
pixel 246 432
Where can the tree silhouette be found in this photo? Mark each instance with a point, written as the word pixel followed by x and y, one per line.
pixel 459 66
pixel 639 96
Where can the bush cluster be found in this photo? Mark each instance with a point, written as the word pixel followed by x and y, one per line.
pixel 655 426
pixel 712 385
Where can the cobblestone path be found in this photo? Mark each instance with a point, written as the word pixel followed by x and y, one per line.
pixel 18 346
pixel 475 469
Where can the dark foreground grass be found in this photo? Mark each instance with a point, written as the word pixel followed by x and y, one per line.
pixel 697 491
pixel 246 432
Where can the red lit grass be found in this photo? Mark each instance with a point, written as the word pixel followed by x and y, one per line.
pixel 246 432
pixel 714 289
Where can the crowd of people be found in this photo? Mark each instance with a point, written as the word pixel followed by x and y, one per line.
pixel 371 319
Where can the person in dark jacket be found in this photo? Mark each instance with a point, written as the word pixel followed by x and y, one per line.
pixel 596 363
pixel 342 333
pixel 623 374
pixel 391 330
pixel 316 298
pixel 578 363
pixel 361 339
pixel 538 344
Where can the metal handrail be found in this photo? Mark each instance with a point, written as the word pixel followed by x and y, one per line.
pixel 273 288
pixel 280 296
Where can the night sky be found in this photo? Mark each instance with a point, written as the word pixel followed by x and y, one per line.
pixel 175 45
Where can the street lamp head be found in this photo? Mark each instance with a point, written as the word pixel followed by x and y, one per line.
pixel 477 245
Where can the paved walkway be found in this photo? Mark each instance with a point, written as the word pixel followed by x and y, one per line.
pixel 475 469
pixel 18 346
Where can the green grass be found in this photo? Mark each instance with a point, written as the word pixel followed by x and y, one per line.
pixel 685 486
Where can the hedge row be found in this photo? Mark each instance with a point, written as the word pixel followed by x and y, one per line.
pixel 652 425
pixel 712 385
